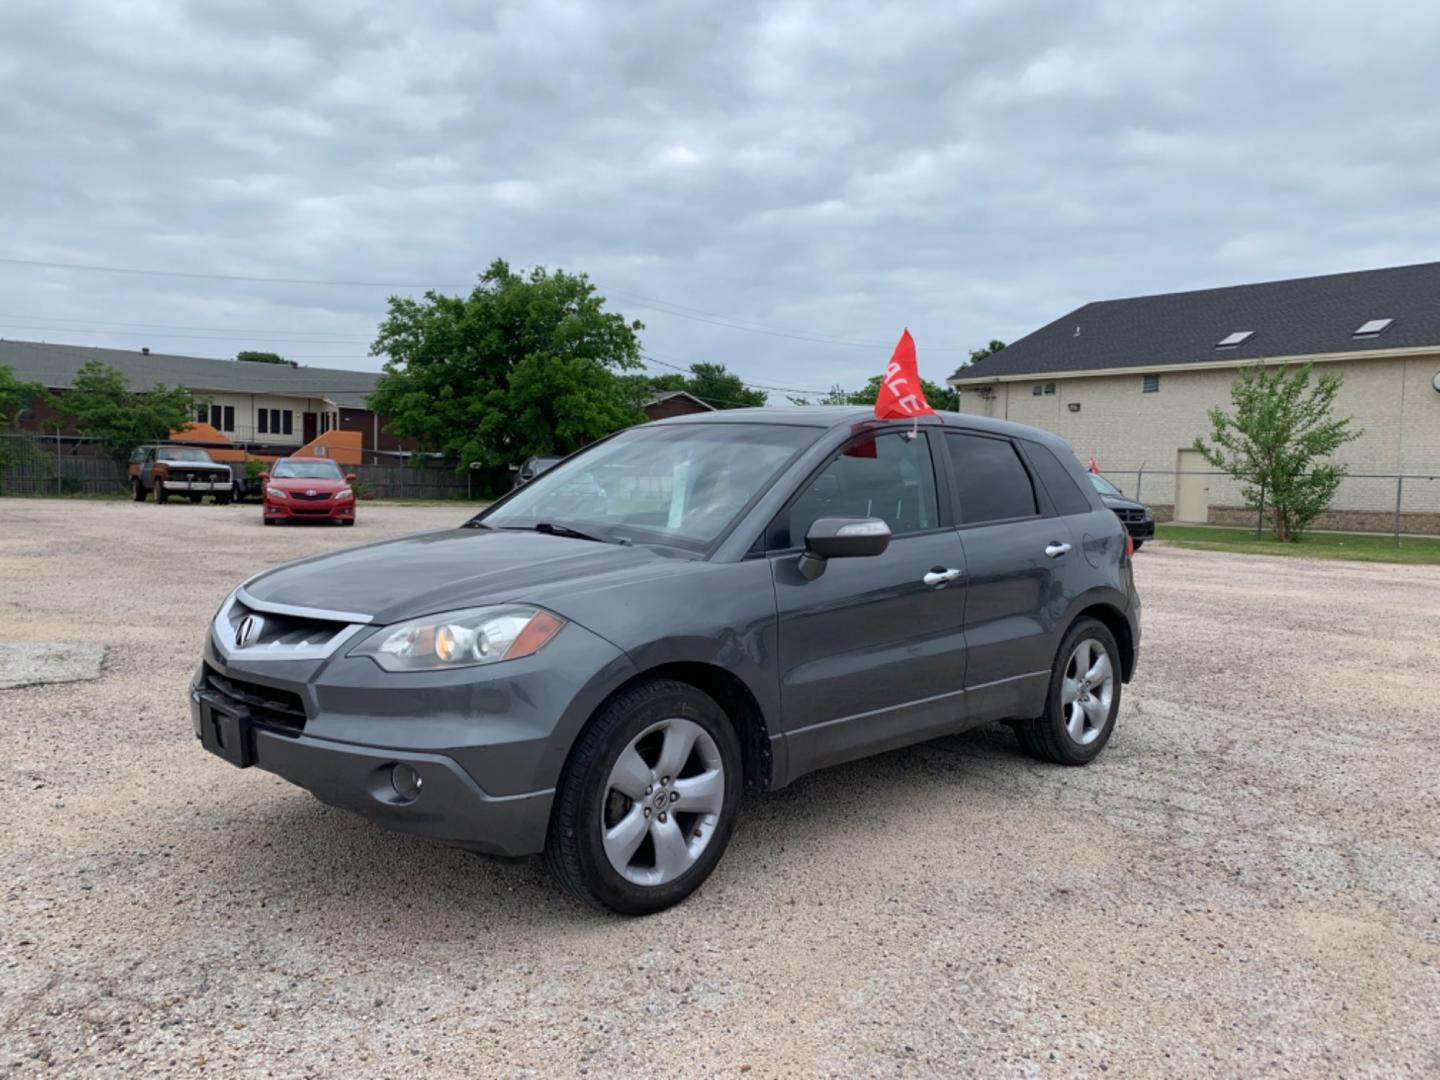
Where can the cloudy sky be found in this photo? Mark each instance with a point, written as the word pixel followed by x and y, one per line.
pixel 776 186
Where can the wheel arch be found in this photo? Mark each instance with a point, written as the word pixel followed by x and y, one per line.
pixel 1115 621
pixel 735 699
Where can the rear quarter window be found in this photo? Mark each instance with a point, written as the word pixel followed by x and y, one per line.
pixel 1064 492
pixel 991 482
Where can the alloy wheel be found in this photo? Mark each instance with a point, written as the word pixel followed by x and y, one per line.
pixel 662 802
pixel 1086 691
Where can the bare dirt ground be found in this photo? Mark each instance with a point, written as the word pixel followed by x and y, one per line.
pixel 1247 882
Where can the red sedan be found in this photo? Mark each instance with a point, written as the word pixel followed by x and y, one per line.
pixel 308 489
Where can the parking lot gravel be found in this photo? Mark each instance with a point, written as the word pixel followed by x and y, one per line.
pixel 1246 883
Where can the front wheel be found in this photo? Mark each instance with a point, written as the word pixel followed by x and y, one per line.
pixel 1083 701
pixel 648 799
pixel 1139 544
pixel 160 493
pixel 137 489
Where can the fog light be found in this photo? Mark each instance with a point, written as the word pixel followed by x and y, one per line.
pixel 406 782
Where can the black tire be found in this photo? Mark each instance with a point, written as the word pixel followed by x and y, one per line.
pixel 574 849
pixel 237 492
pixel 347 522
pixel 268 520
pixel 160 493
pixel 1047 736
pixel 222 500
pixel 137 489
pixel 195 499
pixel 1139 544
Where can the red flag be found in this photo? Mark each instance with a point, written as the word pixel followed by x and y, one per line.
pixel 901 395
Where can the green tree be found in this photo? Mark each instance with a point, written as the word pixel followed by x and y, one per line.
pixel 976 355
pixel 15 398
pixel 939 397
pixel 722 389
pixel 1281 428
pixel 250 356
pixel 100 405
pixel 526 364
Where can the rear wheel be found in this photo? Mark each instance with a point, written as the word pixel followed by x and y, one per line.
pixel 223 499
pixel 137 489
pixel 647 801
pixel 1083 701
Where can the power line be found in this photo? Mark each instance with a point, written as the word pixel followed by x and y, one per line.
pixel 753 386
pixel 663 307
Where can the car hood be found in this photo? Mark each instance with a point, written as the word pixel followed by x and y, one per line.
pixel 299 483
pixel 179 464
pixel 1115 502
pixel 457 568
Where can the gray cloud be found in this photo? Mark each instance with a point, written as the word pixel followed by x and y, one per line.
pixel 839 170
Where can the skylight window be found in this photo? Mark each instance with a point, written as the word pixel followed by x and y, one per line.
pixel 1374 328
pixel 1229 341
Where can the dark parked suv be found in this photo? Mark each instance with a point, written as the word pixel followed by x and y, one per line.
pixel 599 663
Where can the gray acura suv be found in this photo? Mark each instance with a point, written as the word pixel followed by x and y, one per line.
pixel 598 665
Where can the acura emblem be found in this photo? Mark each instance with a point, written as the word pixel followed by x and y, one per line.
pixel 247 631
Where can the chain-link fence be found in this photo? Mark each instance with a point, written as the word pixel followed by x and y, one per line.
pixel 1392 503
pixel 31 465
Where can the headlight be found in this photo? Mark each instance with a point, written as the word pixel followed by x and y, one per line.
pixel 454 639
pixel 276 493
pixel 343 494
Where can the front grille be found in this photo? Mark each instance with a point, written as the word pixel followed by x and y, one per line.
pixel 1130 515
pixel 278 632
pixel 303 495
pixel 279 708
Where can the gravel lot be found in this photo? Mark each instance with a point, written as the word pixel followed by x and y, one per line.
pixel 1247 882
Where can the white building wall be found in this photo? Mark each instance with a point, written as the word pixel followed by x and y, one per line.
pixel 1392 400
pixel 246 419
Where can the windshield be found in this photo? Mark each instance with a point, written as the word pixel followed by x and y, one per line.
pixel 174 453
pixel 1103 486
pixel 681 484
pixel 306 470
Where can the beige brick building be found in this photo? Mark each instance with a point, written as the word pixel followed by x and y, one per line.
pixel 1129 383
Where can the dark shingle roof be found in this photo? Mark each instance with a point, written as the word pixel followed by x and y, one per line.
pixel 1299 317
pixel 55 366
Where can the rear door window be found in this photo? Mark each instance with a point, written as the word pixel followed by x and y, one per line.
pixel 1064 492
pixel 991 482
pixel 890 477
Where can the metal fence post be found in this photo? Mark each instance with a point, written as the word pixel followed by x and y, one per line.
pixel 1399 494
pixel 59 465
pixel 1139 480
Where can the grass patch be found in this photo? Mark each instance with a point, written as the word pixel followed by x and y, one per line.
pixel 1355 547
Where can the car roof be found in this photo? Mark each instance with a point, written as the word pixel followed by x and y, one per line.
pixel 850 416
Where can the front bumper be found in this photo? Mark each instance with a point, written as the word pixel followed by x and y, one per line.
pixel 436 799
pixel 1141 530
pixel 284 510
pixel 197 487
pixel 487 747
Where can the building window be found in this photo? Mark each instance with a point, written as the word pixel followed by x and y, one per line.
pixel 263 416
pixel 1049 388
pixel 289 419
pixel 215 417
pixel 1150 384
pixel 1038 390
pixel 229 417
pixel 274 421
pixel 202 413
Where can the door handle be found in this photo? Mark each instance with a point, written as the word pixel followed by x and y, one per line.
pixel 939 577
pixel 1055 550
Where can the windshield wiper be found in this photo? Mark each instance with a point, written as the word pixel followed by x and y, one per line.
pixel 554 528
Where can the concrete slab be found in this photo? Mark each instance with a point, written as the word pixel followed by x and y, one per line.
pixel 35 663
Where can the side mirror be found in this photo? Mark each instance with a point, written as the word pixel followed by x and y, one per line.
pixel 264 477
pixel 842 538
pixel 349 477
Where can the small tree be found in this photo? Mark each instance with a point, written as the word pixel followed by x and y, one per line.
pixel 15 398
pixel 250 356
pixel 976 355
pixel 100 405
pixel 1273 444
